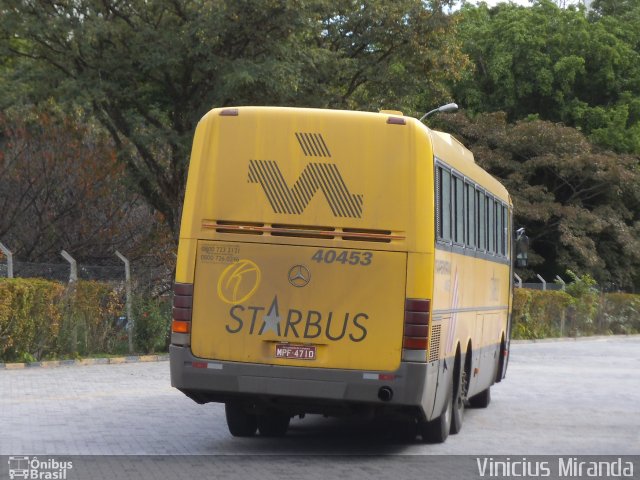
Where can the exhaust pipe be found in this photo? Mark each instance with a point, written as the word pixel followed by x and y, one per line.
pixel 385 394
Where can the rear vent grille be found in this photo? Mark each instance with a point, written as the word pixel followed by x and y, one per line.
pixel 374 235
pixel 301 231
pixel 241 228
pixel 313 145
pixel 434 343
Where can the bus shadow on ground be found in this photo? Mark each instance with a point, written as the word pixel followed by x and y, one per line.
pixel 385 435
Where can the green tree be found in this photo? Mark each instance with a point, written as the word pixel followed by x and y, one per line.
pixel 559 64
pixel 581 205
pixel 148 70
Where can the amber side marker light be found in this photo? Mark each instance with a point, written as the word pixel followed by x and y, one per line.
pixel 180 326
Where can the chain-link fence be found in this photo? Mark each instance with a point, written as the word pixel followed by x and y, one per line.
pixel 155 279
pixel 63 310
pixel 542 286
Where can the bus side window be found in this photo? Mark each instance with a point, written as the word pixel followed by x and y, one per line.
pixel 498 231
pixel 444 203
pixel 490 225
pixel 482 244
pixel 501 230
pixel 505 230
pixel 458 216
pixel 471 215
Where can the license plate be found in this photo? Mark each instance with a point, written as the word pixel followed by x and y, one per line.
pixel 297 352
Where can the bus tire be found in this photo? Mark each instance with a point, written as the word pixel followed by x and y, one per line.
pixel 482 399
pixel 273 424
pixel 437 430
pixel 457 413
pixel 240 422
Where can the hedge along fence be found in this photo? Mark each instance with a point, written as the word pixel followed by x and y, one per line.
pixel 543 314
pixel 41 319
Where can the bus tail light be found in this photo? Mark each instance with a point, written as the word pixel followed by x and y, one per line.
pixel 416 329
pixel 178 326
pixel 182 313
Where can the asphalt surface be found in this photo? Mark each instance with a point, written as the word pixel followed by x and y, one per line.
pixel 559 398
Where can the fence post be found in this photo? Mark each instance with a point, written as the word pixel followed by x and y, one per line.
pixel 127 286
pixel 564 285
pixel 73 266
pixel 9 256
pixel 544 282
pixel 518 279
pixel 71 290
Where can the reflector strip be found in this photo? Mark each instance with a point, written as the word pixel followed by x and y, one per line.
pixel 379 376
pixel 211 366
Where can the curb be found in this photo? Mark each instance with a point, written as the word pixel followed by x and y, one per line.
pixel 165 357
pixel 573 339
pixel 86 361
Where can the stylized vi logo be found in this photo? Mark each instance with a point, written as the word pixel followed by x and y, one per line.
pixel 315 176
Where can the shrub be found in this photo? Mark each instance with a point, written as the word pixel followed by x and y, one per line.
pixel 542 314
pixel 90 312
pixel 620 313
pixel 42 319
pixel 152 323
pixel 29 318
pixel 538 314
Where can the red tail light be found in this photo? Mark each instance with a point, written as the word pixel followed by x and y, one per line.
pixel 182 307
pixel 416 323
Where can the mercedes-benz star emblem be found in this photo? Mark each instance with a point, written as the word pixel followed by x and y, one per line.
pixel 299 276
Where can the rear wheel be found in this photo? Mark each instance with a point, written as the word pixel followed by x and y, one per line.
pixel 481 400
pixel 240 422
pixel 273 424
pixel 459 387
pixel 437 430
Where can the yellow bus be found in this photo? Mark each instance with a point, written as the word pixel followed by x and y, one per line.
pixel 339 262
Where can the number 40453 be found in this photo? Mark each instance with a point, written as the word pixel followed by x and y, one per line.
pixel 351 257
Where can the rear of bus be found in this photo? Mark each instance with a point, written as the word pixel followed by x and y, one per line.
pixel 305 263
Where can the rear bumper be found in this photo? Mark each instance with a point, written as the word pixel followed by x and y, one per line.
pixel 413 384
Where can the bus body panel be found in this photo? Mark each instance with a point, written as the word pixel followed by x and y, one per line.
pixel 251 300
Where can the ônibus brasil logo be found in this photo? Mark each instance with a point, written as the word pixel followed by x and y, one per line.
pixel 37 469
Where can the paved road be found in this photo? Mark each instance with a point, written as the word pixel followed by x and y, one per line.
pixel 560 398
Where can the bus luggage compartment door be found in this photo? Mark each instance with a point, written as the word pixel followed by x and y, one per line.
pixel 298 305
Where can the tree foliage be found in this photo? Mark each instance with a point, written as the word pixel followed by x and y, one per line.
pixel 149 70
pixel 62 188
pixel 145 71
pixel 559 64
pixel 580 205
